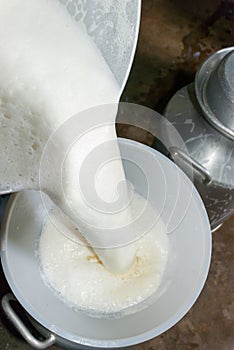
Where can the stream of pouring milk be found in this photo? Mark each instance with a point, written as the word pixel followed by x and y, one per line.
pixel 49 71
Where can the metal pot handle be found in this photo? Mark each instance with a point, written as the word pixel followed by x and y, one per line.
pixel 175 151
pixel 22 329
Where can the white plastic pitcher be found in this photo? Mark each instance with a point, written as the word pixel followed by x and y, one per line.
pixel 113 26
pixel 187 268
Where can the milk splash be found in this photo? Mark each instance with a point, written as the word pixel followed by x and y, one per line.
pixel 78 277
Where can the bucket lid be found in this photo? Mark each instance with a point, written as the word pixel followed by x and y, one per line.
pixel 214 87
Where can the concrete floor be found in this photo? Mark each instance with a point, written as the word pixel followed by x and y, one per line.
pixel 171 35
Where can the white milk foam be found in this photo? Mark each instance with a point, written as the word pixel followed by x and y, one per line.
pixel 49 71
pixel 75 273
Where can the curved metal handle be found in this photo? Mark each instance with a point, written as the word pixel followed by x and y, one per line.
pixel 175 151
pixel 22 329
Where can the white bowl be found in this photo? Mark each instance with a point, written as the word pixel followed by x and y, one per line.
pixel 190 251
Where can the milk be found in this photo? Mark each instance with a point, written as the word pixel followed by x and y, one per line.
pixel 49 71
pixel 76 275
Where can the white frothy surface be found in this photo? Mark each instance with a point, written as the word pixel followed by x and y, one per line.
pixel 75 273
pixel 50 70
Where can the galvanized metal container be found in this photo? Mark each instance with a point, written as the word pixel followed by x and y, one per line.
pixel 203 114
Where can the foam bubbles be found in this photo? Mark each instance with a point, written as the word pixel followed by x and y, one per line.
pixel 76 275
